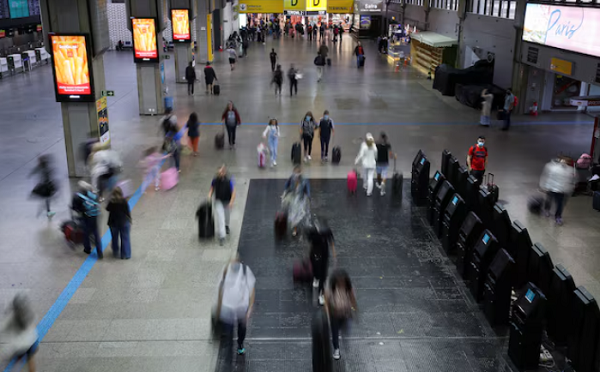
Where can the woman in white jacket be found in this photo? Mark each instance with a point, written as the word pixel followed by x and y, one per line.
pixel 368 158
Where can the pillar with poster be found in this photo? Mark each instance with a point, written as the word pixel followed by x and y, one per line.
pixel 102 108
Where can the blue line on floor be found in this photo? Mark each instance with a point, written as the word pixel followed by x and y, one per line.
pixel 63 299
pixel 441 124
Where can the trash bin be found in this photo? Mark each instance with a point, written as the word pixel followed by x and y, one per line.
pixel 169 102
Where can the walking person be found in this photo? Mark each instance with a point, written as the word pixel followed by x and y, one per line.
pixel 168 121
pixel 231 120
pixel 245 45
pixel 319 62
pixel 322 30
pixel 209 77
pixel 307 131
pixel 190 77
pixel 223 189
pixel 477 159
pixel 278 79
pixel 172 145
pixel 486 108
pixel 320 238
pixel 509 105
pixel 340 303
pixel 360 54
pixel 293 76
pixel 234 304
pixel 296 199
pixel 273 58
pixel 85 204
pixel 46 187
pixel 119 222
pixel 326 130
pixel 272 134
pixel 324 50
pixel 384 152
pixel 368 159
pixel 18 333
pixel 152 163
pixel 558 181
pixel 232 57
pixel 193 127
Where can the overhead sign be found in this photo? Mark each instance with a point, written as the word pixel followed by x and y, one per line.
pixel 180 24
pixel 564 27
pixel 298 5
pixel 561 66
pixel 262 6
pixel 71 68
pixel 340 6
pixel 312 5
pixel 294 12
pixel 370 6
pixel 145 46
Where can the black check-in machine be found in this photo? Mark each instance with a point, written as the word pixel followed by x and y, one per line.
pixel 442 199
pixel 497 289
pixel 454 216
pixel 468 234
pixel 540 267
pixel 446 154
pixel 560 300
pixel 434 186
pixel 526 328
pixel 453 165
pixel 519 248
pixel 485 209
pixel 501 225
pixel 582 344
pixel 419 183
pixel 484 252
pixel 461 181
pixel 472 194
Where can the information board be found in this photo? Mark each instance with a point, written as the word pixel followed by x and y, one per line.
pixel 4 12
pixel 18 8
pixel 34 7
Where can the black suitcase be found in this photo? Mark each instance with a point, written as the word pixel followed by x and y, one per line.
pixel 336 155
pixel 596 202
pixel 296 153
pixel 362 61
pixel 397 182
pixel 321 346
pixel 535 204
pixel 280 225
pixel 328 61
pixel 220 140
pixel 216 90
pixel 492 188
pixel 206 223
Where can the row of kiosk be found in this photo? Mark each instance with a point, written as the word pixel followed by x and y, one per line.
pixel 514 280
pixel 23 62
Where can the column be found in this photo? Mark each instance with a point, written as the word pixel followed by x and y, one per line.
pixel 203 31
pixel 519 78
pixel 80 119
pixel 182 51
pixel 150 76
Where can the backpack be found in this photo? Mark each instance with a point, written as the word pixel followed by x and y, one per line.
pixel 361 51
pixel 167 125
pixel 90 206
pixel 169 145
pixel 516 102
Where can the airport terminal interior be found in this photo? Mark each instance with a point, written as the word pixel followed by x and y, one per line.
pixel 153 311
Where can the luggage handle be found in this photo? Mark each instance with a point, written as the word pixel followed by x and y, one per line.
pixel 492 176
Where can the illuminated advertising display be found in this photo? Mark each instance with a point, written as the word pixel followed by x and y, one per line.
pixel 565 27
pixel 145 46
pixel 180 23
pixel 71 68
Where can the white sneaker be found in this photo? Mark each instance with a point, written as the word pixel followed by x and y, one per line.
pixel 321 300
pixel 382 192
pixel 274 163
pixel 306 159
pixel 336 354
pixel 315 283
pixel 309 158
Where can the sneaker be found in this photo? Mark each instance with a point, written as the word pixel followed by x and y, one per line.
pixel 559 221
pixel 369 194
pixel 50 214
pixel 378 185
pixel 275 163
pixel 306 159
pixel 241 350
pixel 547 213
pixel 326 159
pixel 157 188
pixel 221 241
pixel 382 192
pixel 87 252
pixel 227 229
pixel 336 354
pixel 321 300
pixel 309 158
pixel 315 283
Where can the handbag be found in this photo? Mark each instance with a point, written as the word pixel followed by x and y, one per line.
pixel 298 76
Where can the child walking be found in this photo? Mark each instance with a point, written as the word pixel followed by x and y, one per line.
pixel 152 163
pixel 272 134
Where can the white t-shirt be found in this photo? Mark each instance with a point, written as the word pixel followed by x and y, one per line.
pixel 237 288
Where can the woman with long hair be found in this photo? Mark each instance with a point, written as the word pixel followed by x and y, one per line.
pixel 119 221
pixel 368 159
pixel 193 126
pixel 307 131
pixel 340 303
pixel 296 199
pixel 231 119
pixel 272 134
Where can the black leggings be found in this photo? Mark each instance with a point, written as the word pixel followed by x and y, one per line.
pixel 319 266
pixel 307 144
pixel 231 134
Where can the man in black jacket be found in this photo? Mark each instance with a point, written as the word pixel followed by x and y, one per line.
pixel 190 76
pixel 209 77
pixel 223 189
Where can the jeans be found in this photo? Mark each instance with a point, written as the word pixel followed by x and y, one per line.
pixel 227 337
pixel 336 326
pixel 231 134
pixel 358 61
pixel 221 217
pixel 123 233
pixel 506 119
pixel 190 87
pixel 324 147
pixel 90 227
pixel 153 174
pixel 293 85
pixel 559 199
pixel 320 72
pixel 308 139
pixel 176 157
pixel 368 174
pixel 273 141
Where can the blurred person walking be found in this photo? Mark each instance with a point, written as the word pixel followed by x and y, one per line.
pixel 340 303
pixel 509 105
pixel 18 333
pixel 486 108
pixel 293 76
pixel 151 163
pixel 119 222
pixel 321 238
pixel 190 76
pixel 193 127
pixel 232 57
pixel 360 55
pixel 367 156
pixel 307 132
pixel 85 203
pixel 231 119
pixel 222 187
pixel 278 79
pixel 324 50
pixel 234 304
pixel 384 152
pixel 272 134
pixel 209 77
pixel 558 181
pixel 168 121
pixel 296 199
pixel 326 130
pixel 46 187
pixel 273 58
pixel 172 145
pixel 105 165
pixel 320 63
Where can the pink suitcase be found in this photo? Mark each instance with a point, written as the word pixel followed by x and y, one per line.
pixel 169 178
pixel 352 182
pixel 261 159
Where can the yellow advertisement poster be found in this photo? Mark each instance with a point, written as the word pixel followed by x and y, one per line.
pixel 209 45
pixel 314 5
pixel 102 108
pixel 294 4
pixel 561 66
pixel 262 6
pixel 340 6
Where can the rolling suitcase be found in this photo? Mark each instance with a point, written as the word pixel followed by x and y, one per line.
pixel 220 141
pixel 328 61
pixel 535 203
pixel 362 61
pixel 296 153
pixel 336 155
pixel 492 188
pixel 596 202
pixel 280 225
pixel 352 181
pixel 216 90
pixel 397 182
pixel 72 231
pixel 169 178
pixel 206 223
pixel 302 271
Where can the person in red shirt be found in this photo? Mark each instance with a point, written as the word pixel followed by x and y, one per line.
pixel 477 159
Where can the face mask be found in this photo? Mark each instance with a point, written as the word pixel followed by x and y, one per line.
pixel 480 143
pixel 307 118
pixel 326 117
